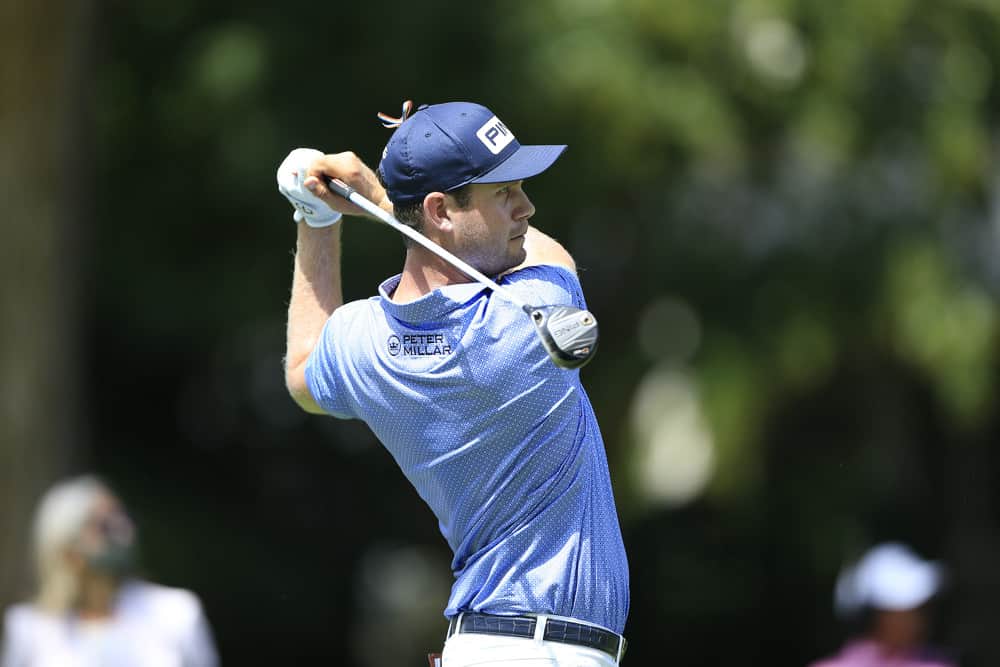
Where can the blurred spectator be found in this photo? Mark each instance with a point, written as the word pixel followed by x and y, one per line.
pixel 89 610
pixel 888 591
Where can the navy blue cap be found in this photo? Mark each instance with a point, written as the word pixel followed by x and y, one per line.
pixel 442 147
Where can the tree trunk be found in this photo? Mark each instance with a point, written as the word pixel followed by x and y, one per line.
pixel 44 59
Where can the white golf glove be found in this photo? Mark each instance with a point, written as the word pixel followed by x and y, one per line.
pixel 308 206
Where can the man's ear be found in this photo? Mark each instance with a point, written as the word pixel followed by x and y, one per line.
pixel 436 214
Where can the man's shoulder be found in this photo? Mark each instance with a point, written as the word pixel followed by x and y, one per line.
pixel 360 305
pixel 353 310
pixel 545 283
pixel 543 272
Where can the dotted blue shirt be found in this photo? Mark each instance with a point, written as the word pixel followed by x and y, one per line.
pixel 502 444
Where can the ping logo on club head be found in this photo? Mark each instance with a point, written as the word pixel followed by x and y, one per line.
pixel 393 345
pixel 495 135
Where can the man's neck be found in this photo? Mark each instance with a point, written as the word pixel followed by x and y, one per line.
pixel 423 273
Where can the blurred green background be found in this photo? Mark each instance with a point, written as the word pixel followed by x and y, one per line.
pixel 787 218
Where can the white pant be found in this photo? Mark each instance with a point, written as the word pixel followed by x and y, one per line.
pixel 476 650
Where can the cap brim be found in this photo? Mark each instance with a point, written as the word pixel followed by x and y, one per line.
pixel 525 162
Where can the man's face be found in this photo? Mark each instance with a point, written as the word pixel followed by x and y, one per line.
pixel 489 234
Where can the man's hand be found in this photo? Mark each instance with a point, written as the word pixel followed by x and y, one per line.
pixel 348 168
pixel 291 178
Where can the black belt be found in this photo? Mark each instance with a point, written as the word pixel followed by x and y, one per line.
pixel 556 630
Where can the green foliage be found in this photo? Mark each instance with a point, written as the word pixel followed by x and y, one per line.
pixel 945 325
pixel 847 126
pixel 811 184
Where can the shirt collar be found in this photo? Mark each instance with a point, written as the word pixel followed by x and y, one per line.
pixel 430 306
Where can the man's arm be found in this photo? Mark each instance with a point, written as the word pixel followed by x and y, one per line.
pixel 316 293
pixel 316 283
pixel 543 249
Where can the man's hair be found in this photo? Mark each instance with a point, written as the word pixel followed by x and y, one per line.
pixel 412 215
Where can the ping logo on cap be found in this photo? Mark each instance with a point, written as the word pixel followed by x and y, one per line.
pixel 495 135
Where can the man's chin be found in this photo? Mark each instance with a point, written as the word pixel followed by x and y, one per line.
pixel 512 262
pixel 517 259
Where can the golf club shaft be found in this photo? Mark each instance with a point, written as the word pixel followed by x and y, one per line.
pixel 352 195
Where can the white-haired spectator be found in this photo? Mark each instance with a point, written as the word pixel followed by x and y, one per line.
pixel 89 610
pixel 887 592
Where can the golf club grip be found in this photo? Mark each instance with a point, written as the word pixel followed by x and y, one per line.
pixel 339 187
pixel 344 190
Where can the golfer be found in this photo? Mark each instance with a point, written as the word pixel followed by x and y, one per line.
pixel 501 443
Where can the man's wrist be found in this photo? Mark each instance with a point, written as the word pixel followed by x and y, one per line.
pixel 326 222
pixel 310 233
pixel 384 203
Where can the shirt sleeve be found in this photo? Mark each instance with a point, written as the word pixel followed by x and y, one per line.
pixel 325 367
pixel 13 648
pixel 198 647
pixel 547 284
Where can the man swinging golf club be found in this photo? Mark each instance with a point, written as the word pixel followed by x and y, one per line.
pixel 459 384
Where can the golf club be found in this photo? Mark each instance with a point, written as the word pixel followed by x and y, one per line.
pixel 568 334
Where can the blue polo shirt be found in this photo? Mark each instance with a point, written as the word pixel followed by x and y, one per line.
pixel 501 443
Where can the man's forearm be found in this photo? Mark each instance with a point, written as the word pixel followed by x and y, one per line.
pixel 540 248
pixel 316 293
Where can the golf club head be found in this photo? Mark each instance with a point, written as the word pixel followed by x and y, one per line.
pixel 569 334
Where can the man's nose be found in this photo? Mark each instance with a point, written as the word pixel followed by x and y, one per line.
pixel 524 209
